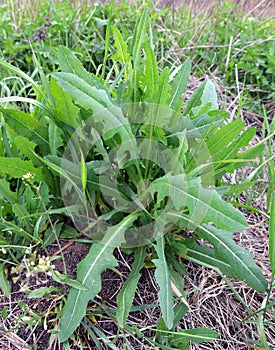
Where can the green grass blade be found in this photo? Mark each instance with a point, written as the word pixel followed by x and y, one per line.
pixel 107 38
pixel 18 72
pixel 26 100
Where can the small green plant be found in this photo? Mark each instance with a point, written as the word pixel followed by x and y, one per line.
pixel 129 160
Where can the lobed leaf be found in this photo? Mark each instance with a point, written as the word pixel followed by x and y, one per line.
pixel 27 125
pixel 242 265
pixel 163 93
pixel 65 110
pixel 139 38
pixel 18 168
pixel 179 85
pixel 99 258
pixel 205 205
pixel 150 77
pixel 6 193
pixel 126 295
pixel 122 56
pixel 70 64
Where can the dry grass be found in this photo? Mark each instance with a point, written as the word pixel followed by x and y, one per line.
pixel 257 8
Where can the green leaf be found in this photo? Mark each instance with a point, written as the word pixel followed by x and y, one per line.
pixel 237 189
pixel 26 125
pixel 150 77
pixel 250 154
pixel 162 95
pixel 4 283
pixel 55 138
pixel 205 205
pixel 89 271
pixel 163 279
pixel 242 265
pixel 231 151
pixel 179 85
pixel 126 295
pixel 197 335
pixel 179 311
pixel 22 215
pixel 65 279
pixel 16 230
pixel 224 136
pixel 52 233
pixel 6 193
pixel 42 292
pixel 107 116
pixel 202 101
pixel 139 38
pixel 99 258
pixel 195 99
pixel 97 100
pixel 18 168
pixel 65 110
pixel 190 250
pixel 70 64
pixel 86 95
pixel 26 148
pixel 271 234
pixel 175 157
pixel 222 149
pixel 122 56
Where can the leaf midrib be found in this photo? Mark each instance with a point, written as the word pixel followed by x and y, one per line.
pixel 106 244
pixel 202 227
pixel 199 200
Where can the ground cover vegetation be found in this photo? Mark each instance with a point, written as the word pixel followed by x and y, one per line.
pixel 107 148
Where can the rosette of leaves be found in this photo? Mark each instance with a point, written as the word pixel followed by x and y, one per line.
pixel 139 162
